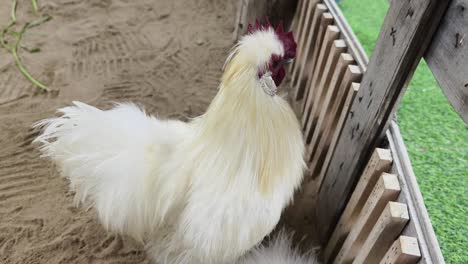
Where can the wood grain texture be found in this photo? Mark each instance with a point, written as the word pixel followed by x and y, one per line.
pixel 387 189
pixel 299 31
pixel 338 47
pixel 380 162
pixel 335 132
pixel 420 225
pixel 303 73
pixel 305 31
pixel 405 250
pixel 331 34
pixel 405 35
pixel 387 228
pixel 333 98
pixel 447 56
pixel 320 148
pixel 303 84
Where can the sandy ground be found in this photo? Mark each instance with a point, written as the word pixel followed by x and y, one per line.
pixel 165 55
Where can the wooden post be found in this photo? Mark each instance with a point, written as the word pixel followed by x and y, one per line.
pixel 388 227
pixel 405 35
pixel 405 250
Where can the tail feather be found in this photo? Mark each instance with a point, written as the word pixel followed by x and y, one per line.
pixel 107 157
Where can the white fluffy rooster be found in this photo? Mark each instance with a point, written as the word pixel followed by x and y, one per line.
pixel 206 191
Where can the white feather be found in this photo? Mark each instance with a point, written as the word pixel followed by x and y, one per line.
pixel 278 251
pixel 206 191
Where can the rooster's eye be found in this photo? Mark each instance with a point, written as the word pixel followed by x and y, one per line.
pixel 275 63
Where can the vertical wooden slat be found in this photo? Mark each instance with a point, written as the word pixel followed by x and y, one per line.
pixel 325 21
pixel 380 162
pixel 331 97
pixel 407 30
pixel 295 21
pixel 320 149
pixel 339 46
pixel 334 130
pixel 332 33
pixel 299 33
pixel 405 250
pixel 388 227
pixel 386 189
pixel 305 31
pixel 305 56
pixel 302 74
pixel 297 27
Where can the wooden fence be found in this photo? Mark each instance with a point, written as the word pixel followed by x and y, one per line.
pixel 346 104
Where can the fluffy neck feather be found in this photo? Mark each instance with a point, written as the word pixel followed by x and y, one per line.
pixel 251 136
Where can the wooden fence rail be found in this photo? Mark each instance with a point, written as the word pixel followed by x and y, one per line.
pixel 405 35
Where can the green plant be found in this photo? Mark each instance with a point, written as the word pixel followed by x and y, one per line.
pixel 13 49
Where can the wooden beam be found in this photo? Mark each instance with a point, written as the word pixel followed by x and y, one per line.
pixel 380 162
pixel 387 228
pixel 405 250
pixel 386 190
pixel 405 35
pixel 448 56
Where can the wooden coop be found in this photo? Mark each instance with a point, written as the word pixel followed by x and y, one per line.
pixel 369 208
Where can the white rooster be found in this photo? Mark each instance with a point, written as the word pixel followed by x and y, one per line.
pixel 206 191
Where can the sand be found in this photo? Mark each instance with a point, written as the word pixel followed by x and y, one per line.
pixel 164 55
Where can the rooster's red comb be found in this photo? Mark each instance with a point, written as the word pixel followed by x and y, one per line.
pixel 286 38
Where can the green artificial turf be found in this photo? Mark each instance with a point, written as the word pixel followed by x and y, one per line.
pixel 435 136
